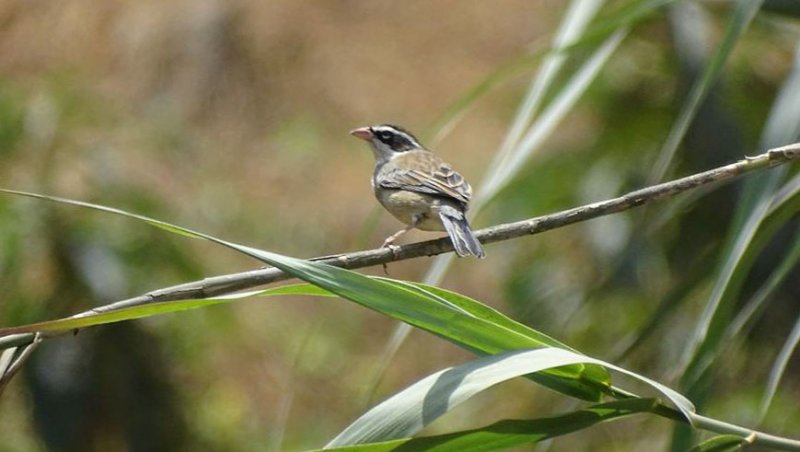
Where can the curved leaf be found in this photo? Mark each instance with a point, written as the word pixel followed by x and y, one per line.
pixel 408 411
pixel 413 305
pixel 721 443
pixel 513 432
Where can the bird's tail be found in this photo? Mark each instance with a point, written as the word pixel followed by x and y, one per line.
pixel 457 226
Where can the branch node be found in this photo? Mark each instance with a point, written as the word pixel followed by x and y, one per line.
pixel 783 153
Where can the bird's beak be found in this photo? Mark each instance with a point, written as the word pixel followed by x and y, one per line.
pixel 364 133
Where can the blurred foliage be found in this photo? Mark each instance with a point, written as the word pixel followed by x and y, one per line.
pixel 231 118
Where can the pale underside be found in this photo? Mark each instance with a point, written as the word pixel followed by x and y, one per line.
pixel 407 205
pixel 415 185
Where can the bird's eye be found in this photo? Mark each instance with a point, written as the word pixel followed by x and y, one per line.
pixel 385 136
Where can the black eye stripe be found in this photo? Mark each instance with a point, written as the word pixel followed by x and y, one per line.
pixel 385 135
pixel 395 137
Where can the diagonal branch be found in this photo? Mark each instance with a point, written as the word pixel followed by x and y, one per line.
pixel 230 283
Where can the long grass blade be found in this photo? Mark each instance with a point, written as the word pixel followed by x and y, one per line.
pixel 550 118
pixel 414 305
pixel 740 20
pixel 739 326
pixel 721 443
pixel 629 15
pixel 783 125
pixel 408 411
pixel 513 432
pixel 577 18
pixel 779 369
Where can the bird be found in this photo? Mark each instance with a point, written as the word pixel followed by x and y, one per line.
pixel 419 188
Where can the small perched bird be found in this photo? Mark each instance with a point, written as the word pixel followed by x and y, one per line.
pixel 418 188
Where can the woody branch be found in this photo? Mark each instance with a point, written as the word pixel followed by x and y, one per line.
pixel 230 283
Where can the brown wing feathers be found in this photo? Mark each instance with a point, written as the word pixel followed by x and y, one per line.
pixel 437 179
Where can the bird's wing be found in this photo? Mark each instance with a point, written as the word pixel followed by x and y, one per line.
pixel 430 176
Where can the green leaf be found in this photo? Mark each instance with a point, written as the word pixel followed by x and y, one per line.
pixel 88 318
pixel 741 324
pixel 721 443
pixel 758 217
pixel 507 167
pixel 779 368
pixel 408 411
pixel 627 16
pixel 432 313
pixel 572 26
pixel 738 24
pixel 481 310
pixel 413 305
pixel 513 432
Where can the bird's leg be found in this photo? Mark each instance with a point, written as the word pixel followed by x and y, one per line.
pixel 389 242
pixel 393 248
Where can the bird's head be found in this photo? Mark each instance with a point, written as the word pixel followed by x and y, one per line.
pixel 387 140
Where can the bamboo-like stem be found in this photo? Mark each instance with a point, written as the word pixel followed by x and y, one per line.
pixel 234 282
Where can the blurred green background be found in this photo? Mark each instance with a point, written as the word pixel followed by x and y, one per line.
pixel 231 117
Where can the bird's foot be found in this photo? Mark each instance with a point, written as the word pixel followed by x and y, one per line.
pixel 395 249
pixel 395 252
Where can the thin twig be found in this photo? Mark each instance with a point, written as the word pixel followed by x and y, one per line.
pixel 227 284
